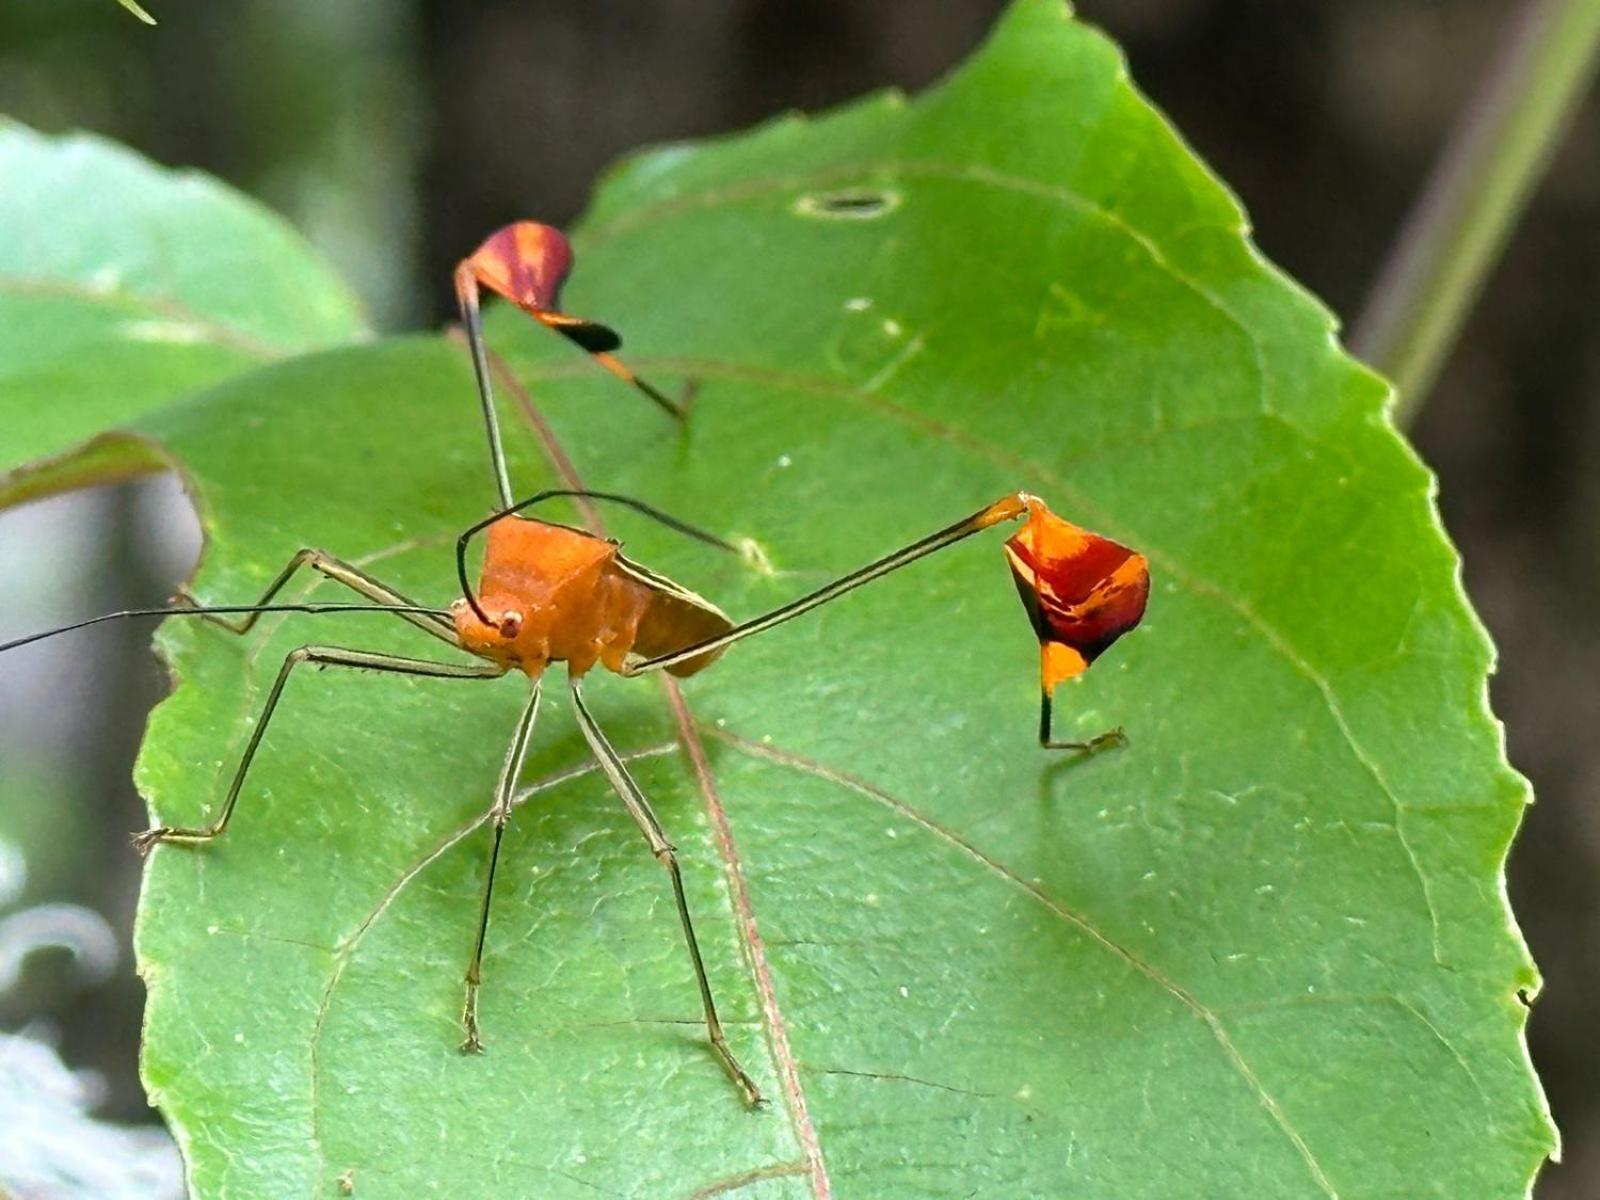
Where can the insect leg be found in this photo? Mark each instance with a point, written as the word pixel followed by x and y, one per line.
pixel 331 656
pixel 1005 509
pixel 601 342
pixel 1103 741
pixel 677 409
pixel 351 577
pixel 504 793
pixel 666 854
pixel 467 300
pixel 596 340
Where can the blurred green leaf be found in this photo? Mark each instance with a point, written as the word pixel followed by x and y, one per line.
pixel 41 828
pixel 125 286
pixel 1262 951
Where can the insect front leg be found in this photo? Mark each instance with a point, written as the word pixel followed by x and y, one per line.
pixel 351 577
pixel 332 656
pixel 499 815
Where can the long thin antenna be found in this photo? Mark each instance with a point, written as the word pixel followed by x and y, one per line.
pixel 220 610
pixel 467 299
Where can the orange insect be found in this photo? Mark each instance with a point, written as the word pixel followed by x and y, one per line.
pixel 550 593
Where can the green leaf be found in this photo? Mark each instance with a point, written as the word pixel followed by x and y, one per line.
pixel 124 286
pixel 1262 951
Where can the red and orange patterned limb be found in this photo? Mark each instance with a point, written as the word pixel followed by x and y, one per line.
pixel 528 263
pixel 1081 591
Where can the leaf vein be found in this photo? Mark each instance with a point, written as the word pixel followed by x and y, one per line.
pixel 735 1183
pixel 345 951
pixel 911 813
pixel 958 173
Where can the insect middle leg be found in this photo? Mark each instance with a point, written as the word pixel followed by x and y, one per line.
pixel 666 854
pixel 504 797
pixel 332 656
pixel 350 576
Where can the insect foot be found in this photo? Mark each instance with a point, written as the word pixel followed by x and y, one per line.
pixel 1111 739
pixel 753 1099
pixel 144 842
pixel 471 1044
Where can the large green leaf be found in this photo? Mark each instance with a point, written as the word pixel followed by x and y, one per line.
pixel 124 286
pixel 1262 951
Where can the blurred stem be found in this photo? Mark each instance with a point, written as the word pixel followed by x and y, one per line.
pixel 1479 185
pixel 133 7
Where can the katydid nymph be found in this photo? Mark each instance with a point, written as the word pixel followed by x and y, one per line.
pixel 550 593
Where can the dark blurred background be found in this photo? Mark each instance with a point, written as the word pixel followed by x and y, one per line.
pixel 396 132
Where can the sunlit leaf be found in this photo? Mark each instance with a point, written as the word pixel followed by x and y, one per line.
pixel 1263 950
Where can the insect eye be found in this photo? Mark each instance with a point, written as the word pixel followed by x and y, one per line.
pixel 510 624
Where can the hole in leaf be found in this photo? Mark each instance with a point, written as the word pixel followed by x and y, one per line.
pixel 848 204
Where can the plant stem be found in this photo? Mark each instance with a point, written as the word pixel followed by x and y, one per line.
pixel 1483 178
pixel 133 7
